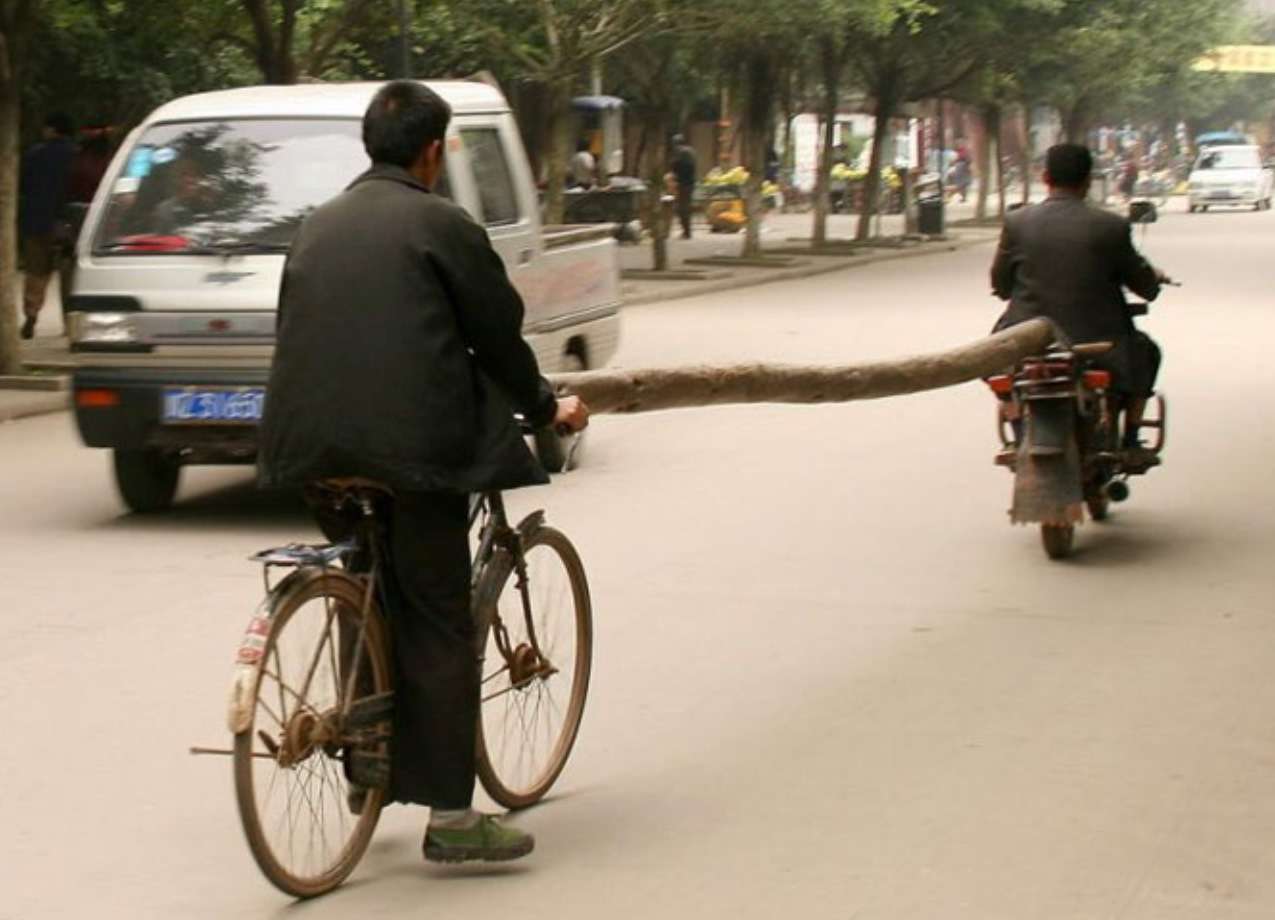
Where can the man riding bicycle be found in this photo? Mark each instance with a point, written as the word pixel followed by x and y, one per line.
pixel 400 359
pixel 1069 262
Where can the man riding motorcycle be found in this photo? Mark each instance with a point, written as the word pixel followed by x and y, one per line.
pixel 1069 262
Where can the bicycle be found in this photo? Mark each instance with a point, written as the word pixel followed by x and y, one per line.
pixel 311 708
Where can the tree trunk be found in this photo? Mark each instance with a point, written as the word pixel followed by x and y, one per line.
pixel 657 212
pixel 1025 156
pixel 1000 164
pixel 989 117
pixel 687 387
pixel 12 41
pixel 559 129
pixel 872 182
pixel 759 78
pixel 830 60
pixel 1076 123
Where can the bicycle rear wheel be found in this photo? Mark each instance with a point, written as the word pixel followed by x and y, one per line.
pixel 536 666
pixel 294 761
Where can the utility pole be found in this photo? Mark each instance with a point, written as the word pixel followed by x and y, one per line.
pixel 404 42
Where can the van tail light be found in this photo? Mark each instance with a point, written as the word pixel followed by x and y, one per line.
pixel 1097 380
pixel 97 399
pixel 1001 384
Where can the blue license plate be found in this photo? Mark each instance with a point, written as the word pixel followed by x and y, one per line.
pixel 212 405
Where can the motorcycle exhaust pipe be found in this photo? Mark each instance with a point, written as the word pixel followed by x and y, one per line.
pixel 1117 490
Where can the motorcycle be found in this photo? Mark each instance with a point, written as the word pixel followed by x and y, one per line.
pixel 1060 430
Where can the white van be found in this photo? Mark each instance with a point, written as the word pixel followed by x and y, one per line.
pixel 1230 175
pixel 179 261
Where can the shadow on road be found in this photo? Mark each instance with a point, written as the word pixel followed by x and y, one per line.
pixel 1115 543
pixel 229 507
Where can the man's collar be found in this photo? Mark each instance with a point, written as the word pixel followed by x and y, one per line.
pixel 391 173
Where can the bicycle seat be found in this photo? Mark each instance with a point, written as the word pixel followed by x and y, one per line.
pixel 338 492
pixel 1092 349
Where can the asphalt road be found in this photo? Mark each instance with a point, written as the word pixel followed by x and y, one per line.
pixel 830 679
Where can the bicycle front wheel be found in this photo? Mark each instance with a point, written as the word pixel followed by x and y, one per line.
pixel 538 650
pixel 321 718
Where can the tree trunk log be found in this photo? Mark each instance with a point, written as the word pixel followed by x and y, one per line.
pixel 678 388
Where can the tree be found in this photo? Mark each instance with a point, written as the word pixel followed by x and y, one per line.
pixel 553 43
pixel 661 80
pixel 277 26
pixel 925 52
pixel 836 24
pixel 17 19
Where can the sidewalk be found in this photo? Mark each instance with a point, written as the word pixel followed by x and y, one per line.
pixel 783 238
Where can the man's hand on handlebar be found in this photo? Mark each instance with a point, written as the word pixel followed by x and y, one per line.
pixel 572 415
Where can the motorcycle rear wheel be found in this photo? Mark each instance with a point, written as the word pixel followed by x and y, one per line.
pixel 1058 539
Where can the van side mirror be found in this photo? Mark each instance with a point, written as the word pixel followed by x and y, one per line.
pixel 1143 212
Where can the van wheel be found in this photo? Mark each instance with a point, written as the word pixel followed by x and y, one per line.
pixel 146 479
pixel 553 449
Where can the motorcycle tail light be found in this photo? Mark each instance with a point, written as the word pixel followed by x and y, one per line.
pixel 1002 384
pixel 1097 380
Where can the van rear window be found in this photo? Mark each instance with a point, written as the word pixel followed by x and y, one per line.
pixel 237 185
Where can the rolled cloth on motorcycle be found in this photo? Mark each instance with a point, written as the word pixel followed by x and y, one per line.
pixel 685 387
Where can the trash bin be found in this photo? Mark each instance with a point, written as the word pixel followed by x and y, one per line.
pixel 929 216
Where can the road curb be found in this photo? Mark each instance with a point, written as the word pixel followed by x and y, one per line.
pixel 772 275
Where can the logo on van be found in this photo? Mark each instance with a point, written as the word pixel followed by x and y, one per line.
pixel 226 277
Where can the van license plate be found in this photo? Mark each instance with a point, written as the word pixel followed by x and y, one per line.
pixel 212 405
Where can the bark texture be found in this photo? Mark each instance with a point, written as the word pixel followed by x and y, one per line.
pixel 679 388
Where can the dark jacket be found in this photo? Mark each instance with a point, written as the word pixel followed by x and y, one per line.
pixel 1067 261
pixel 400 354
pixel 42 186
pixel 683 165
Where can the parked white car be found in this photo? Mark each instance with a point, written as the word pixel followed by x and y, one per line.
pixel 1232 175
pixel 178 265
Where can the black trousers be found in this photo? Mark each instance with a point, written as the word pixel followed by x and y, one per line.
pixel 436 690
pixel 684 193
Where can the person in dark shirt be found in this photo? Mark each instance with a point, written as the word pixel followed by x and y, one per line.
pixel 42 191
pixel 400 358
pixel 684 171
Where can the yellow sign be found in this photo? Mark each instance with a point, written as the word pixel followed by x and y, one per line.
pixel 1239 59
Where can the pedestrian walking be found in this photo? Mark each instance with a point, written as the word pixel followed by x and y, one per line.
pixel 42 231
pixel 684 172
pixel 962 175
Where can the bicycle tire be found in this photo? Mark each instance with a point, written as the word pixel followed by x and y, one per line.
pixel 493 585
pixel 302 588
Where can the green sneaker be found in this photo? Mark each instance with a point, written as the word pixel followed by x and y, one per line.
pixel 487 840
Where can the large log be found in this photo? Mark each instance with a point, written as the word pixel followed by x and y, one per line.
pixel 683 387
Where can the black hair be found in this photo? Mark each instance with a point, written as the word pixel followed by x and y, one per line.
pixel 582 144
pixel 60 122
pixel 1068 165
pixel 403 117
